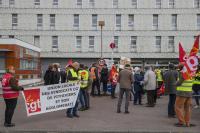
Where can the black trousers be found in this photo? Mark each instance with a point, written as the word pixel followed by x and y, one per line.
pixel 151 97
pixel 171 104
pixel 10 108
pixel 105 86
pixel 196 89
pixel 97 84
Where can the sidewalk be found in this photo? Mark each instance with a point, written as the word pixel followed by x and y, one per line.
pixel 101 118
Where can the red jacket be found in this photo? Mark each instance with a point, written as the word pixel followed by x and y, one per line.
pixel 8 92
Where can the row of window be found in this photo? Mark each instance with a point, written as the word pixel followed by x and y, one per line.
pixel 133 43
pixel 134 3
pixel 118 21
pixel 28 64
pixel 91 41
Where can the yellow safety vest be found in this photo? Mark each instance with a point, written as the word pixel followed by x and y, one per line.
pixel 159 76
pixel 197 79
pixel 74 75
pixel 186 86
pixel 84 76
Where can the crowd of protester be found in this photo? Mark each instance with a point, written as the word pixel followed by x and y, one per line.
pixel 134 82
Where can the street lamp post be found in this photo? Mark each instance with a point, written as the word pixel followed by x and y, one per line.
pixel 101 24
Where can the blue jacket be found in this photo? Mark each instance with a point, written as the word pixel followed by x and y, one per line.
pixel 137 79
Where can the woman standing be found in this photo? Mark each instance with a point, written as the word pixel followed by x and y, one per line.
pixel 10 94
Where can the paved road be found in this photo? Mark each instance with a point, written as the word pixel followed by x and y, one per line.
pixel 101 117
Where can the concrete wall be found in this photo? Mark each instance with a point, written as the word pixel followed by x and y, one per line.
pixel 143 19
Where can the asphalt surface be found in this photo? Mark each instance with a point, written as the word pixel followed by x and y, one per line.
pixel 101 117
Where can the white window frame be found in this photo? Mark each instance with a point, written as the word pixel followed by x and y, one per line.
pixel 14 21
pixel 155 21
pixel 196 3
pixel 52 18
pixel 158 43
pixel 11 3
pixel 37 40
pixel 116 42
pixel 78 43
pixel 37 3
pixel 115 3
pixel 91 3
pixel 91 43
pixel 198 21
pixel 174 20
pixel 79 3
pixel 158 4
pixel 55 3
pixel 39 21
pixel 171 43
pixel 172 3
pixel 76 21
pixel 54 43
pixel 94 21
pixel 134 3
pixel 133 43
pixel 131 19
pixel 118 18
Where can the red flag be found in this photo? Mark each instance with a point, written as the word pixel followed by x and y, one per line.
pixel 112 72
pixel 195 48
pixel 69 62
pixel 182 53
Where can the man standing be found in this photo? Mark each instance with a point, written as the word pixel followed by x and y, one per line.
pixel 125 81
pixel 150 86
pixel 104 78
pixel 10 94
pixel 84 77
pixel 170 78
pixel 94 73
pixel 72 76
pixel 183 100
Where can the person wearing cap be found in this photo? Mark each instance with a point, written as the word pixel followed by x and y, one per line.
pixel 170 77
pixel 150 86
pixel 72 76
pixel 10 94
pixel 183 100
pixel 125 80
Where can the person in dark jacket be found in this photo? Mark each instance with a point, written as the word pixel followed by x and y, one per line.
pixel 56 74
pixel 63 76
pixel 104 78
pixel 48 77
pixel 170 78
pixel 138 87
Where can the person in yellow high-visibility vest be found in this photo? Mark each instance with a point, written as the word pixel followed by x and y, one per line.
pixel 84 77
pixel 159 81
pixel 72 76
pixel 196 87
pixel 183 100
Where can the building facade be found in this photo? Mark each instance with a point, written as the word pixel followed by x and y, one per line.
pixel 24 57
pixel 147 31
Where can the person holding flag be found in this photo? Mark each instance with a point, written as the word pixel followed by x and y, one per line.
pixel 183 100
